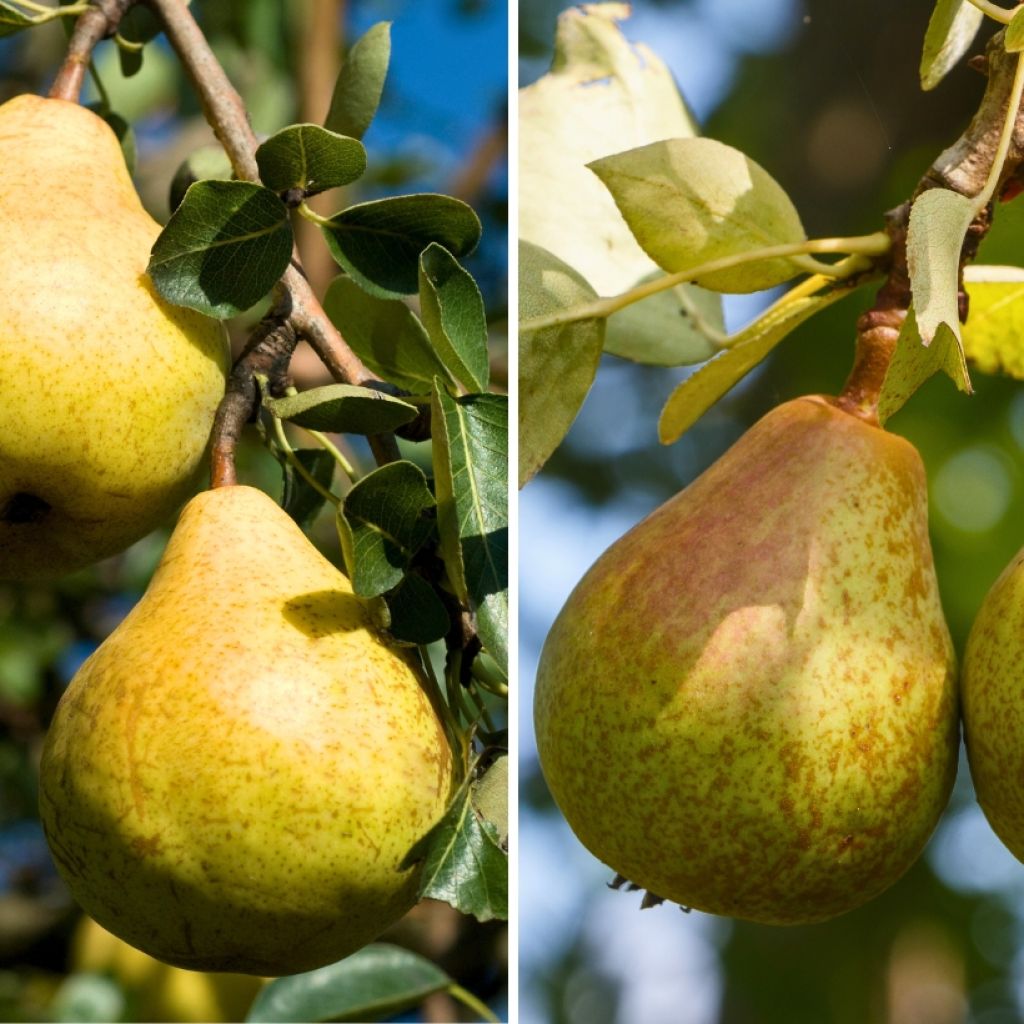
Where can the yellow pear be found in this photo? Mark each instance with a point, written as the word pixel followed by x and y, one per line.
pixel 233 780
pixel 156 991
pixel 748 704
pixel 992 685
pixel 108 393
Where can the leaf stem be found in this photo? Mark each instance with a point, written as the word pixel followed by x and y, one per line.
pixel 1005 140
pixel 468 999
pixel 876 244
pixel 293 461
pixel 311 215
pixel 1000 14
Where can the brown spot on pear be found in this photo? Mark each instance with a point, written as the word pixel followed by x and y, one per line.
pixel 749 614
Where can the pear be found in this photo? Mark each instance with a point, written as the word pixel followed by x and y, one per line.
pixel 234 779
pixel 992 684
pixel 748 705
pixel 108 393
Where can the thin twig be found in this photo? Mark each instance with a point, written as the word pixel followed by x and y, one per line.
pixel 226 113
pixel 90 28
pixel 964 167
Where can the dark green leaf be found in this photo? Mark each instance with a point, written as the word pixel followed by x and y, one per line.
pixel 301 500
pixel 130 58
pixel 139 25
pixel 12 20
pixel 471 479
pixel 385 334
pixel 384 520
pixel 464 864
pixel 122 129
pixel 418 615
pixel 452 309
pixel 379 243
pixel 376 982
pixel 343 409
pixel 310 158
pixel 358 89
pixel 200 165
pixel 223 249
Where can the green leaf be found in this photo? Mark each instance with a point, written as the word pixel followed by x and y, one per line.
pixel 556 364
pixel 993 334
pixel 130 59
pixel 490 797
pixel 376 982
pixel 358 89
pixel 602 95
pixel 1014 38
pixel 385 334
pixel 384 521
pixel 200 165
pixel 471 479
pixel 223 249
pixel 695 395
pixel 309 158
pixel 951 30
pixel 453 313
pixel 12 20
pixel 418 615
pixel 301 500
pixel 913 363
pixel 379 242
pixel 670 328
pixel 343 409
pixel 690 201
pixel 464 864
pixel 939 220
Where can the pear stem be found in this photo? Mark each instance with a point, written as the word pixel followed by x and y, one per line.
pixel 92 26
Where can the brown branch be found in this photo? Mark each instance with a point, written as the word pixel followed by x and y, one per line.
pixel 963 167
pixel 90 29
pixel 226 113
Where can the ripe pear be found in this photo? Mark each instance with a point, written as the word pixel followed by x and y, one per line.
pixel 992 683
pixel 748 703
pixel 233 780
pixel 108 393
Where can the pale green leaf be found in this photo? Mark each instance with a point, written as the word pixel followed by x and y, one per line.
pixel 913 363
pixel 939 220
pixel 695 395
pixel 690 201
pixel 1014 38
pixel 556 364
pixel 358 89
pixel 993 334
pixel 951 30
pixel 601 96
pixel 670 328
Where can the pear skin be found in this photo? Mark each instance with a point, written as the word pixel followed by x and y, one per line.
pixel 992 683
pixel 233 780
pixel 108 393
pixel 748 704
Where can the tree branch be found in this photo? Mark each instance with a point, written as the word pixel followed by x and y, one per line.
pixel 226 114
pixel 90 29
pixel 963 167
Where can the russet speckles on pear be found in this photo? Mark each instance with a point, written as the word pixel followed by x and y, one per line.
pixel 992 683
pixel 747 705
pixel 235 778
pixel 108 393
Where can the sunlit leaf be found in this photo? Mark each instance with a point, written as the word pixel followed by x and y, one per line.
pixel 951 30
pixel 343 409
pixel 695 395
pixel 557 364
pixel 309 158
pixel 358 89
pixel 691 201
pixel 993 335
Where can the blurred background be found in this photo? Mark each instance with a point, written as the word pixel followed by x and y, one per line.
pixel 823 94
pixel 440 128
